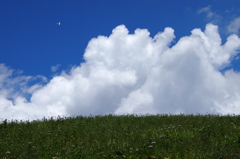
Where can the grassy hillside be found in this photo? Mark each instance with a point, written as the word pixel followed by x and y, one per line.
pixel 129 136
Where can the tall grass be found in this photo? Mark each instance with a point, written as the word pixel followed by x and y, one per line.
pixel 127 136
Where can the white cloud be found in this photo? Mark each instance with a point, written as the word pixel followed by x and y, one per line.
pixel 134 73
pixel 234 26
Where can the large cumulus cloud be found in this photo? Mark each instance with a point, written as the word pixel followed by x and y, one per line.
pixel 135 73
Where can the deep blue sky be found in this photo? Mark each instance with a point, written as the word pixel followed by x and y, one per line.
pixel 32 42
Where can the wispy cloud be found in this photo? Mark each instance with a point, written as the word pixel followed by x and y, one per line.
pixel 234 26
pixel 223 19
pixel 212 17
pixel 206 10
pixel 55 68
pixel 134 73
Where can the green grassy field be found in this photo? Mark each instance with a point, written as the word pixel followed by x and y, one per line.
pixel 127 136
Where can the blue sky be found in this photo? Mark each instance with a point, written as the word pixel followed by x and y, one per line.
pixel 112 56
pixel 32 42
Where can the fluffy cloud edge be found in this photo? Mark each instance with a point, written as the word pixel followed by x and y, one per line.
pixel 134 73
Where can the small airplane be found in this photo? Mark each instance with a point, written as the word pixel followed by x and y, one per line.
pixel 58 23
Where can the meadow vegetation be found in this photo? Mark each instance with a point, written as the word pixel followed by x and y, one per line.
pixel 127 136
